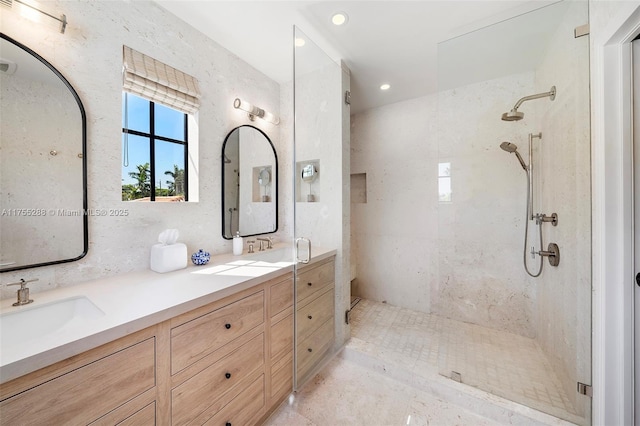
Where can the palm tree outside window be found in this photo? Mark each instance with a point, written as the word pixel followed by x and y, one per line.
pixel 154 151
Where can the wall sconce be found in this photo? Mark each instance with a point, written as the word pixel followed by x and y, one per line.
pixel 254 111
pixel 31 11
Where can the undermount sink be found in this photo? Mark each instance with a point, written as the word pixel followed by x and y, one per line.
pixel 36 321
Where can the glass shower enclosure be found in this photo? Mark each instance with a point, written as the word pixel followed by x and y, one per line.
pixel 320 167
pixel 520 335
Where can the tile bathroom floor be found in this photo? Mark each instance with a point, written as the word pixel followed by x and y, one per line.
pixel 392 372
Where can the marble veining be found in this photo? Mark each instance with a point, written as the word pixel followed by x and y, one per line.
pixel 89 55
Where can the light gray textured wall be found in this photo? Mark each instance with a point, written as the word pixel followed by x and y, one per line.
pixel 461 259
pixel 89 55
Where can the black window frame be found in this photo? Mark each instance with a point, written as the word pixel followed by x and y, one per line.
pixel 152 136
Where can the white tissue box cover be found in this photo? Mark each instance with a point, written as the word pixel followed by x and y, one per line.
pixel 167 258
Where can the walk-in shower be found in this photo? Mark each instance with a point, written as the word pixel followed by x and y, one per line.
pixel 500 301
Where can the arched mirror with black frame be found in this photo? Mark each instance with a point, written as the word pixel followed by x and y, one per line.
pixel 249 183
pixel 43 166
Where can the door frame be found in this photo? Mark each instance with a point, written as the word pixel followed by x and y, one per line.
pixel 612 208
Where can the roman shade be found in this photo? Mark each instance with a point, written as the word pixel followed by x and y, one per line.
pixel 158 82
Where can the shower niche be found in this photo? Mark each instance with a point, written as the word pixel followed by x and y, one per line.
pixel 308 181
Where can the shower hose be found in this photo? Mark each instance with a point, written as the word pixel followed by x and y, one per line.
pixel 526 234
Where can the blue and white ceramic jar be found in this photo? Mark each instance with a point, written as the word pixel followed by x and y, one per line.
pixel 200 257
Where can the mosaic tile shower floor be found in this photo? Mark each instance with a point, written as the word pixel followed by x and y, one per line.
pixel 505 364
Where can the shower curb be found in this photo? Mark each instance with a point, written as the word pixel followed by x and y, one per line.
pixel 478 401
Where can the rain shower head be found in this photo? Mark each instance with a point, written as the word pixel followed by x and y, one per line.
pixel 515 115
pixel 513 148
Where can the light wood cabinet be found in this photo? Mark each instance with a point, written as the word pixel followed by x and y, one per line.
pixel 315 313
pixel 206 334
pixel 312 349
pixel 280 368
pixel 83 388
pixel 244 409
pixel 228 362
pixel 313 278
pixel 195 395
pixel 143 417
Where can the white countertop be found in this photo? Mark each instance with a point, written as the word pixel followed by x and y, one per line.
pixel 134 301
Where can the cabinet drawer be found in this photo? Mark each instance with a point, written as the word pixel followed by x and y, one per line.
pixel 310 316
pixel 281 296
pixel 192 397
pixel 85 394
pixel 311 349
pixel 144 417
pixel 282 337
pixel 243 409
pixel 199 337
pixel 315 279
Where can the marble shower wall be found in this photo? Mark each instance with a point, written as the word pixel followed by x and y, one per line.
pixel 89 55
pixel 395 231
pixel 461 259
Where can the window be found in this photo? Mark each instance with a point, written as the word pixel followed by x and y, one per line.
pixel 155 151
pixel 444 182
pixel 159 130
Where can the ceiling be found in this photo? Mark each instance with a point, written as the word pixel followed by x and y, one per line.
pixel 394 41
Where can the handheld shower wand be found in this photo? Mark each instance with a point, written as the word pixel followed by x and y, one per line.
pixel 513 148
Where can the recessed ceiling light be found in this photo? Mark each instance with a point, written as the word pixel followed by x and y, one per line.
pixel 385 86
pixel 339 18
pixel 299 42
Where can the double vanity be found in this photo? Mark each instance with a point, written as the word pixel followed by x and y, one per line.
pixel 212 344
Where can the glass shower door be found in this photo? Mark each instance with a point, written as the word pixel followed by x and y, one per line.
pixel 317 193
pixel 524 338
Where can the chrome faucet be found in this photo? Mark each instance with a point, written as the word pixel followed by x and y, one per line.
pixel 269 242
pixel 23 292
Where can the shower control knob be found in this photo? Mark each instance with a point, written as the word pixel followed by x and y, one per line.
pixel 638 278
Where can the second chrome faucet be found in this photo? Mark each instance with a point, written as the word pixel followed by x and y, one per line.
pixel 269 242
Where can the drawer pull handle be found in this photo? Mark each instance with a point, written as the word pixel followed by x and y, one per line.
pixel 309 284
pixel 310 317
pixel 310 350
pixel 227 326
pixel 227 424
pixel 227 375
